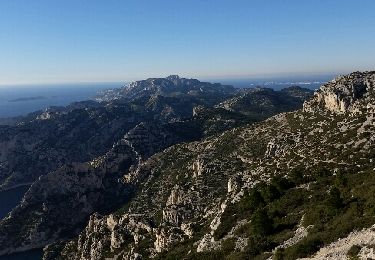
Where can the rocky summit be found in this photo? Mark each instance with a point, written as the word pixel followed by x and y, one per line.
pixel 176 168
pixel 340 95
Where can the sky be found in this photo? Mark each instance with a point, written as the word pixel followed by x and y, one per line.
pixel 55 41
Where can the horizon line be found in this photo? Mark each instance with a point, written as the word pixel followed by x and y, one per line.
pixel 259 76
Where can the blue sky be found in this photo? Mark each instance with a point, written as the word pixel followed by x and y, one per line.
pixel 119 40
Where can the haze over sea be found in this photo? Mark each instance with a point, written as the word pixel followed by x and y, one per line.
pixel 21 100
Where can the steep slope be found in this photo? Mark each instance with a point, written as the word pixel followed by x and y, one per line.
pixel 345 93
pixel 75 156
pixel 58 203
pixel 77 133
pixel 53 138
pixel 170 98
pixel 261 103
pixel 46 140
pixel 281 188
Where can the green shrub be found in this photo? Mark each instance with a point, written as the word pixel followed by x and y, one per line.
pixel 279 254
pixel 228 245
pixel 227 221
pixel 341 180
pixel 354 251
pixel 305 247
pixel 318 215
pixel 261 223
pixel 257 244
pixel 334 198
pixel 297 175
pixel 269 193
pixel 252 201
pixel 282 184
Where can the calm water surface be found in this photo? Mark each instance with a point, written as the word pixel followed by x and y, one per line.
pixel 35 254
pixel 8 200
pixel 21 100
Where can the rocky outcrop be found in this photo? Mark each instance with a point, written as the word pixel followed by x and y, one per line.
pixel 194 196
pixel 108 236
pixel 60 202
pixel 341 94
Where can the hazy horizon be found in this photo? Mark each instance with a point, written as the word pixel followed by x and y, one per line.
pixel 117 41
pixel 240 81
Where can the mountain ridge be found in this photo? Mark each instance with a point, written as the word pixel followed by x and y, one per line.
pixel 185 207
pixel 271 186
pixel 55 130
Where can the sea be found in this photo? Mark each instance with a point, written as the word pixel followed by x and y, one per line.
pixel 21 100
pixel 312 82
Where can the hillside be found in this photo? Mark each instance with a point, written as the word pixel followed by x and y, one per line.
pixel 261 103
pixel 281 189
pixel 75 157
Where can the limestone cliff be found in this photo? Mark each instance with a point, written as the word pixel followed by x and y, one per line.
pixel 280 188
pixel 58 203
pixel 343 93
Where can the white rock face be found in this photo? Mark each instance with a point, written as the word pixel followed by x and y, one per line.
pixel 164 238
pixel 231 185
pixel 162 241
pixel 176 196
pixel 208 243
pixel 187 229
pixel 198 168
pixel 340 95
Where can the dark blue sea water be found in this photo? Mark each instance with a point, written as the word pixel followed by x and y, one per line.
pixel 8 200
pixel 36 254
pixel 21 100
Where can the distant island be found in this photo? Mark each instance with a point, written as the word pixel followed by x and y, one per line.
pixel 26 99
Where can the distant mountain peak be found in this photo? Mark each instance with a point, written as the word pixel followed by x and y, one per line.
pixel 173 77
pixel 171 85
